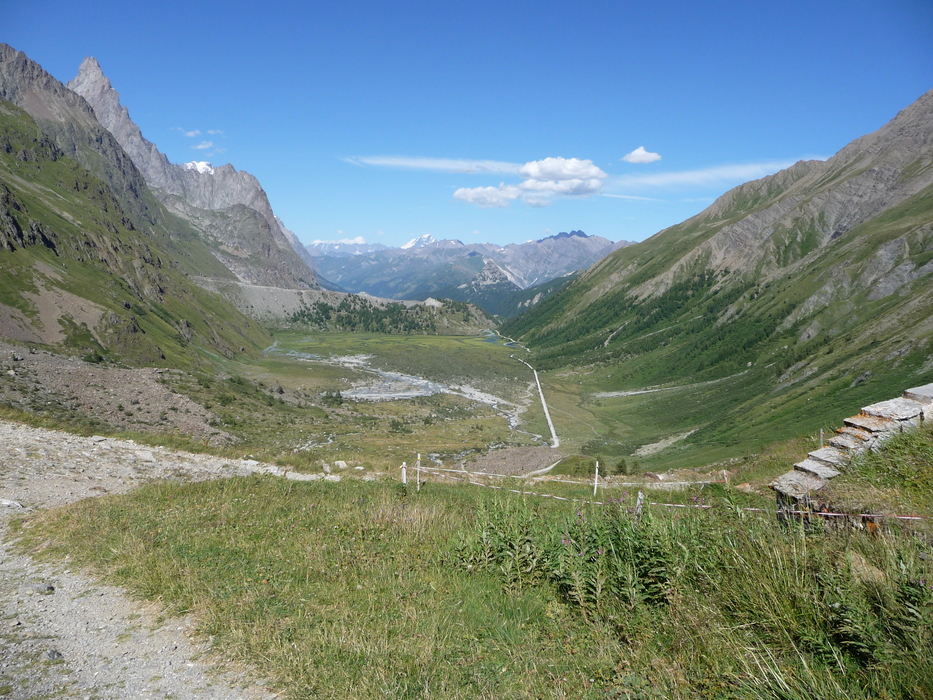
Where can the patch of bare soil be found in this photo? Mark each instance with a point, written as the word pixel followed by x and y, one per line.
pixel 120 398
pixel 514 460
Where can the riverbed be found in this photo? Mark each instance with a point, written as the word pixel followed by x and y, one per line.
pixel 396 386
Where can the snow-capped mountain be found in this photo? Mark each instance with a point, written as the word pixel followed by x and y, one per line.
pixel 200 166
pixel 478 272
pixel 419 242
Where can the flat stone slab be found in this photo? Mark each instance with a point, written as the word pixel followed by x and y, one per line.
pixel 847 443
pixel 895 409
pixel 922 394
pixel 797 484
pixel 872 424
pixel 830 456
pixel 818 469
pixel 856 433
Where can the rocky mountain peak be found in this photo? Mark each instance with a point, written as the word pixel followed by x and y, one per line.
pixel 90 72
pixel 419 242
pixel 70 122
pixel 563 235
pixel 195 190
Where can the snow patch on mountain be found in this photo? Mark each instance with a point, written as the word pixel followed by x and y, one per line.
pixel 419 242
pixel 201 166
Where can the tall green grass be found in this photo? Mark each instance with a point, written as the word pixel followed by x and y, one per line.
pixel 368 589
pixel 734 606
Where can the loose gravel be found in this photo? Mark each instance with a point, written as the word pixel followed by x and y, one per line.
pixel 63 635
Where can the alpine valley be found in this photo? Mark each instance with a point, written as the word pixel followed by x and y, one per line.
pixel 429 468
pixel 115 252
pixel 788 301
pixel 767 316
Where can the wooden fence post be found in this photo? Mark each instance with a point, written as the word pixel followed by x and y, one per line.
pixel 404 473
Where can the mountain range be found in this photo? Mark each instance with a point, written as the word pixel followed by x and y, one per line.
pixel 233 215
pixel 92 261
pixel 95 259
pixel 790 299
pixel 486 274
pixel 815 285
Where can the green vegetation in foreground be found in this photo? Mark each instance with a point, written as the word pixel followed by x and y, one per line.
pixel 366 589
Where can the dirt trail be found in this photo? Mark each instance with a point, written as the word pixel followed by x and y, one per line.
pixel 61 634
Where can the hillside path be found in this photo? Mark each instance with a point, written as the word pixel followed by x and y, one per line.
pixel 85 640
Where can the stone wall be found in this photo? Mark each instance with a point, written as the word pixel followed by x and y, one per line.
pixel 799 489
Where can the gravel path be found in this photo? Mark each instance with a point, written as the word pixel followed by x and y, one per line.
pixel 61 634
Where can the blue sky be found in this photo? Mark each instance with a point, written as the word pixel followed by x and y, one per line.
pixel 492 121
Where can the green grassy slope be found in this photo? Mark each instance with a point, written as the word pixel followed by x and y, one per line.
pixel 779 309
pixel 371 590
pixel 67 242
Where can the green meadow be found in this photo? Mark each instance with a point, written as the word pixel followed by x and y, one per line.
pixel 374 590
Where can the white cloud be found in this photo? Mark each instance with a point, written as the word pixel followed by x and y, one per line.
pixel 450 165
pixel 561 169
pixel 640 155
pixel 487 197
pixel 204 145
pixel 706 177
pixel 194 133
pixel 568 188
pixel 544 179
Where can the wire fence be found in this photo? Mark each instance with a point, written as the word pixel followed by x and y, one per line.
pixel 449 474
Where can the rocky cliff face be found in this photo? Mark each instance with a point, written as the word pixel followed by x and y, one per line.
pixel 72 126
pixel 228 206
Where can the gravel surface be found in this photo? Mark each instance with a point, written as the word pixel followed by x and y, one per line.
pixel 122 398
pixel 63 635
pixel 514 460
